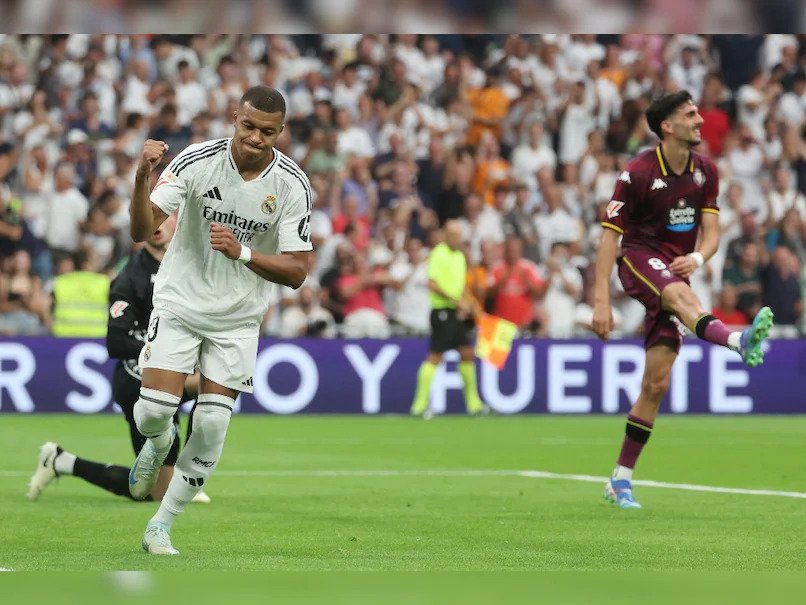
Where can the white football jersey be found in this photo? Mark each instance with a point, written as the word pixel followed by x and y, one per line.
pixel 270 214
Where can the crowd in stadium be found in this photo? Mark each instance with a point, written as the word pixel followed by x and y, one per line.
pixel 522 138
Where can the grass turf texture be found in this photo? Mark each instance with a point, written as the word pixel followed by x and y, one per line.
pixel 309 522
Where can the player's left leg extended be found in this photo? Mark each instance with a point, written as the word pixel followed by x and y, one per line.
pixel 54 462
pixel 680 299
pixel 195 465
pixel 640 422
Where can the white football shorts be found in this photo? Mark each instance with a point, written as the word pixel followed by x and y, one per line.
pixel 172 345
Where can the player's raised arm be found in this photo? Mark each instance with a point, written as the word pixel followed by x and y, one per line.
pixel 145 217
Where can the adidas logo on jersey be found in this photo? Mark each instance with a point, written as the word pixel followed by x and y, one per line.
pixel 213 194
pixel 658 184
pixel 247 383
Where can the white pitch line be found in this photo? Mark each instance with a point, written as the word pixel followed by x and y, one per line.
pixel 531 474
pixel 681 486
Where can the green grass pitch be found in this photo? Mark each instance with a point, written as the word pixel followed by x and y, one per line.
pixel 393 493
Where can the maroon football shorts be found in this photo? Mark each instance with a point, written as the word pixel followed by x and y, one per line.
pixel 644 274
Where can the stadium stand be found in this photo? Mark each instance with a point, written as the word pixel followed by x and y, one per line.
pixel 517 136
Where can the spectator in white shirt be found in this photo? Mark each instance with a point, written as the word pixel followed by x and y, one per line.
pixel 15 92
pixel 754 100
pixel 348 89
pixel 783 196
pixel 407 51
pixel 67 211
pixel 731 211
pixel 549 66
pixel 772 145
pixel 563 293
pixel 514 83
pixel 304 96
pixel 352 140
pixel 480 223
pixel 576 123
pixel 689 72
pixel 746 163
pixel 530 157
pixel 136 90
pixel 306 318
pixel 434 64
pixel 772 51
pixel 556 224
pixel 191 96
pixel 99 239
pixel 407 300
pixel 792 105
pixel 582 51
pixel 37 188
pixel 603 91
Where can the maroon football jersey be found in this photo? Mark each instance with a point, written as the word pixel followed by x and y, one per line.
pixel 654 208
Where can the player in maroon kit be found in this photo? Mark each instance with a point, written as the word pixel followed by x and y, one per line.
pixel 664 210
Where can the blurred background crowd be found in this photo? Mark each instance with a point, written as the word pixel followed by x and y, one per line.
pixel 520 138
pixel 426 16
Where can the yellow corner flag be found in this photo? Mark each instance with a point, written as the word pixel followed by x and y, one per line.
pixel 494 341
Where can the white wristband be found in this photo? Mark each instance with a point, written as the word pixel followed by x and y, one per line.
pixel 246 254
pixel 698 258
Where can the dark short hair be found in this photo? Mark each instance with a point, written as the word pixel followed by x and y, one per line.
pixel 662 108
pixel 264 98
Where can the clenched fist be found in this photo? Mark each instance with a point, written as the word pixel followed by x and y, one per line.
pixel 683 266
pixel 152 156
pixel 223 240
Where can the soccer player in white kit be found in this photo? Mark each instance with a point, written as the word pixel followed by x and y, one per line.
pixel 244 223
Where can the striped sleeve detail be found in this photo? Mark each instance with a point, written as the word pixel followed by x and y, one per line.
pixel 181 161
pixel 286 165
pixel 711 210
pixel 615 228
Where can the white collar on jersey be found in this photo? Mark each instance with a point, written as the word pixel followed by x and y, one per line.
pixel 235 167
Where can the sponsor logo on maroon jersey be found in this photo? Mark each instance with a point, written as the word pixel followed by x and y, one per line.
pixel 681 216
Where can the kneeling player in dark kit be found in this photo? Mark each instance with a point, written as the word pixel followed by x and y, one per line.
pixel 129 309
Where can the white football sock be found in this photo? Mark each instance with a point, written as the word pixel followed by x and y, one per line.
pixel 200 456
pixel 153 414
pixel 622 472
pixel 64 463
pixel 735 341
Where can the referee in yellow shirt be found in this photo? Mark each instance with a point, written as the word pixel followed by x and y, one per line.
pixel 450 306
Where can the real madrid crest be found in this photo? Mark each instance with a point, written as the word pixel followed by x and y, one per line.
pixel 269 204
pixel 147 353
pixel 699 177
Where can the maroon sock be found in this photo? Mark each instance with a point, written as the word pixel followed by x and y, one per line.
pixel 636 435
pixel 711 329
